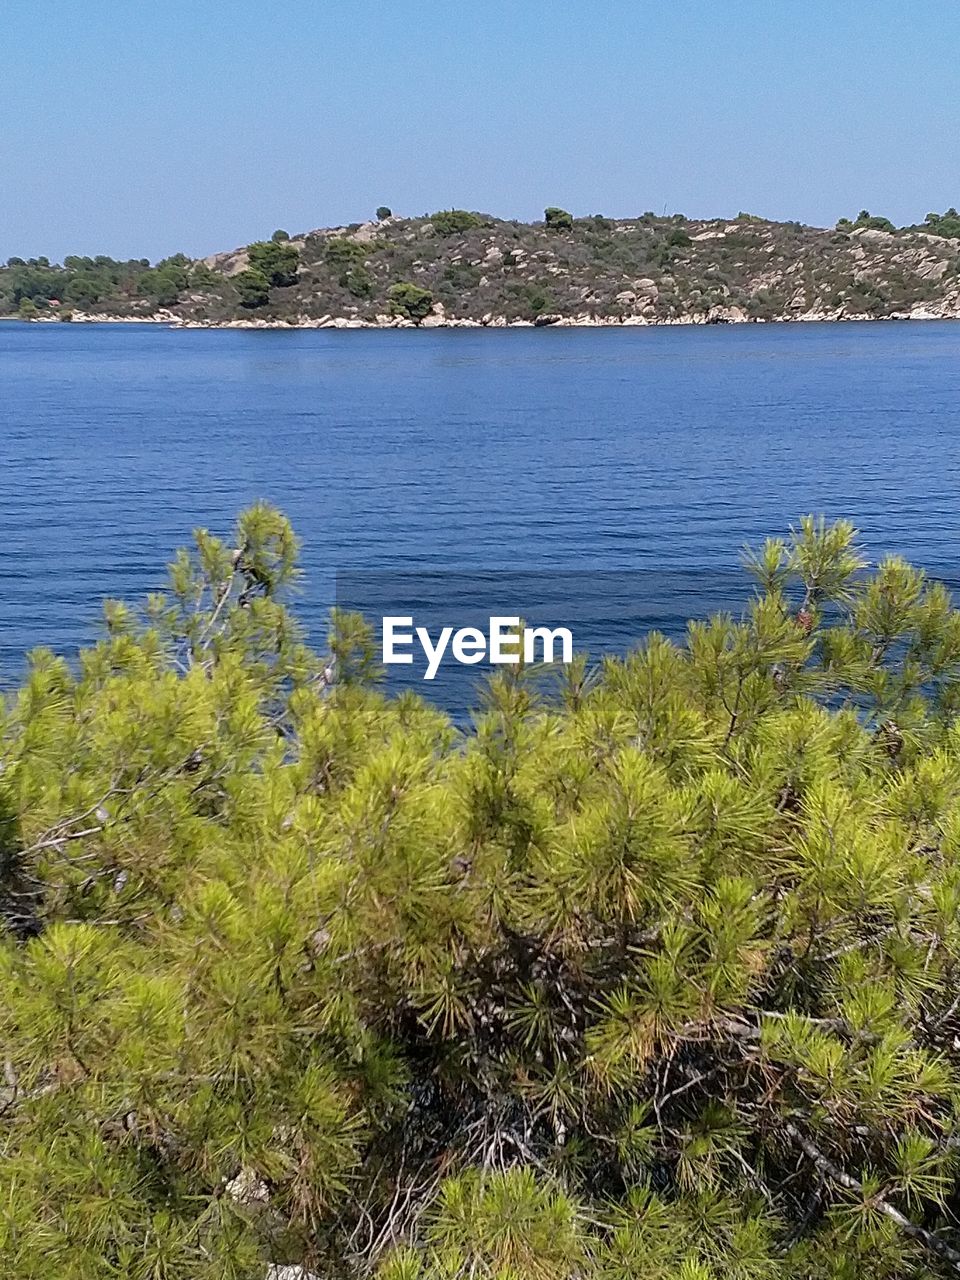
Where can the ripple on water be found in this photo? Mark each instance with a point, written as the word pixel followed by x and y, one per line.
pixel 555 449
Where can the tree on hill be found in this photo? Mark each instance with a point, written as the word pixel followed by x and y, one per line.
pixel 253 288
pixel 277 261
pixel 84 290
pixel 410 300
pixel 557 219
pixel 341 253
pixel 164 284
pixel 945 224
pixel 865 219
pixel 455 222
pixel 384 212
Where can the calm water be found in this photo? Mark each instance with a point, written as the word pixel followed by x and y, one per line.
pixel 634 449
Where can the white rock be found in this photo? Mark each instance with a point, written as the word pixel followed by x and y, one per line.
pixel 367 232
pixel 934 270
pixel 246 1188
pixel 872 235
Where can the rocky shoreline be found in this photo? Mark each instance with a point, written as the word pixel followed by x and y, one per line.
pixel 719 316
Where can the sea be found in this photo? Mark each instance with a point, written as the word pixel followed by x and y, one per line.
pixel 610 476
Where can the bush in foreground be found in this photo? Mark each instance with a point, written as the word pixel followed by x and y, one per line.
pixel 653 977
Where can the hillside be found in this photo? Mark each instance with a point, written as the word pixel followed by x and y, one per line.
pixel 460 267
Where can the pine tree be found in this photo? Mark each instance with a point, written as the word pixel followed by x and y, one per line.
pixel 649 974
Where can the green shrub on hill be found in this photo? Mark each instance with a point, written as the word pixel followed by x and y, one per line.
pixel 868 221
pixel 557 219
pixel 410 300
pixel 163 285
pixel 253 288
pixel 358 281
pixel 454 222
pixel 650 973
pixel 277 261
pixel 341 253
pixel 942 224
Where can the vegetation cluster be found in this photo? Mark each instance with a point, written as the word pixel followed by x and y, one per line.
pixel 650 973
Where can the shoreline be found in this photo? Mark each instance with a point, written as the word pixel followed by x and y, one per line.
pixel 494 322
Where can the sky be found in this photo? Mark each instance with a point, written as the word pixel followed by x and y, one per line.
pixel 141 129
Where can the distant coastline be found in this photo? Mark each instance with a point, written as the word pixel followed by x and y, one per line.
pixel 460 269
pixel 496 322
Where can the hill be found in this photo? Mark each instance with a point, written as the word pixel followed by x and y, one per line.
pixel 460 267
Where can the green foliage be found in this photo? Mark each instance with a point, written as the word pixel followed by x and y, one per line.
pixel 342 254
pixel 279 236
pixel 534 299
pixel 410 300
pixel 204 277
pixel 277 261
pixel 28 309
pixel 942 224
pixel 557 219
pixel 384 212
pixel 164 284
pixel 455 222
pixel 83 281
pixel 83 290
pixel 866 220
pixel 253 288
pixel 358 281
pixel 651 973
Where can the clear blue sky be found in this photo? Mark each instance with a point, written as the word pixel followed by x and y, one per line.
pixel 136 128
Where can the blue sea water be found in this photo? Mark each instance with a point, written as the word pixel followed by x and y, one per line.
pixel 657 450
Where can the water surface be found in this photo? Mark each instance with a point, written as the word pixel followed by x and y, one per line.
pixel 609 449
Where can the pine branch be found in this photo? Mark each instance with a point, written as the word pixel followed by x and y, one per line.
pixel 838 1175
